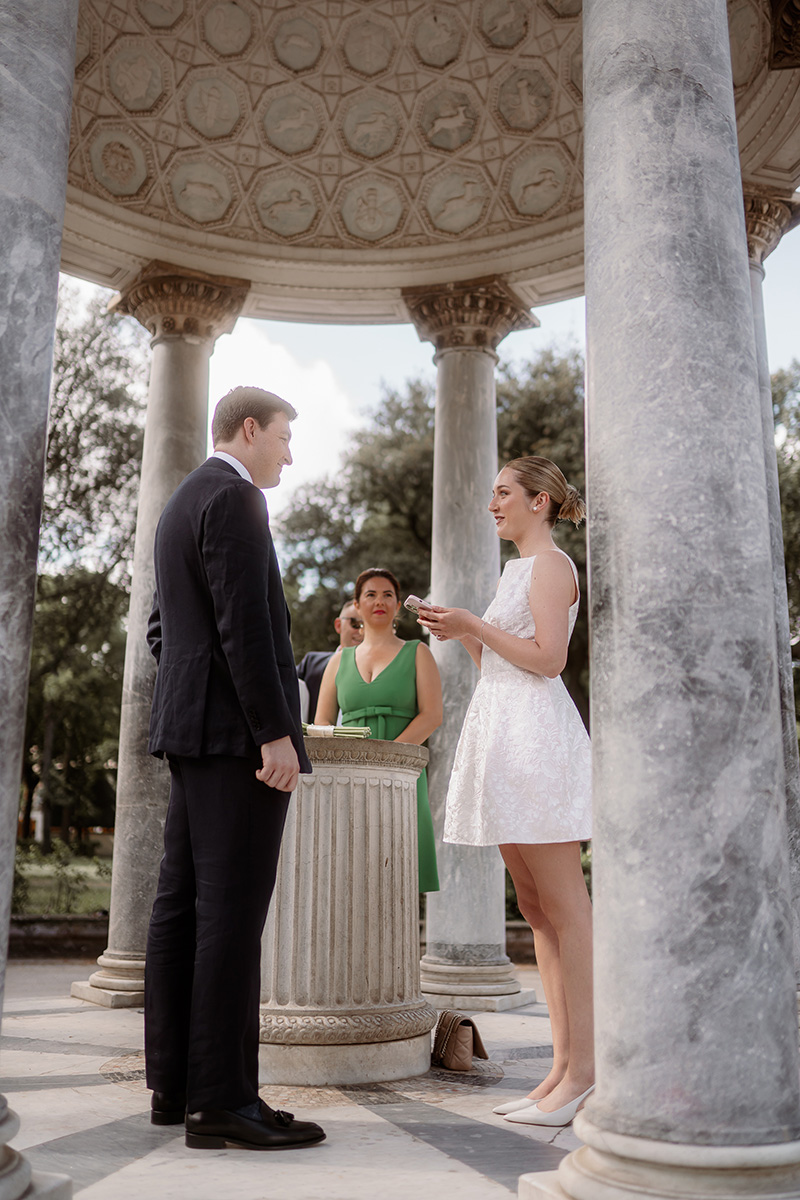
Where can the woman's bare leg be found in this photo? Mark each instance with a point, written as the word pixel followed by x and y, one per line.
pixel 556 871
pixel 545 941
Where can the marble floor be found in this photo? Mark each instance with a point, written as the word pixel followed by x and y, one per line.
pixel 74 1074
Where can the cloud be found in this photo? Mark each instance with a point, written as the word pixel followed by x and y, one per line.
pixel 326 413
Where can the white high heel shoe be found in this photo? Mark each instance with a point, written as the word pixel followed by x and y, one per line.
pixel 533 1115
pixel 511 1106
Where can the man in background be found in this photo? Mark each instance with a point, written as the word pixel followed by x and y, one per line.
pixel 312 666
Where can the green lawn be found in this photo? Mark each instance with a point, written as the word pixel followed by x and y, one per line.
pixel 81 886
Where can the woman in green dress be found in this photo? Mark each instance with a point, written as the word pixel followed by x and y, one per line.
pixel 390 685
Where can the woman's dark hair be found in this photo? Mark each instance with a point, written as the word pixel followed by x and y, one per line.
pixel 372 573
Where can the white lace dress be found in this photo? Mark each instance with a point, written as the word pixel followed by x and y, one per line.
pixel 522 771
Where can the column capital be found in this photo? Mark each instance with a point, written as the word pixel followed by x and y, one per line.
pixel 474 314
pixel 768 215
pixel 175 301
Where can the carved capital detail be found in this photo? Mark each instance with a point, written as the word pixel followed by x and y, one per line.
pixel 785 34
pixel 476 314
pixel 176 302
pixel 365 752
pixel 767 217
pixel 299 1028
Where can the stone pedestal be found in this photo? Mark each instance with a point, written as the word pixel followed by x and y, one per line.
pixel 768 216
pixel 185 313
pixel 340 962
pixel 465 965
pixel 696 1028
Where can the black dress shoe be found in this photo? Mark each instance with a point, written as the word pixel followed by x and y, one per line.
pixel 275 1130
pixel 167 1110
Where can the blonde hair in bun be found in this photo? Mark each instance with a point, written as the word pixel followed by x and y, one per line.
pixel 537 475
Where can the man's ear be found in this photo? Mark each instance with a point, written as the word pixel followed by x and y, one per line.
pixel 337 624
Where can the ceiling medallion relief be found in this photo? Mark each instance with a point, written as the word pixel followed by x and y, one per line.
pixel 369 46
pixel 161 14
pixel 286 202
pixel 504 23
pixel 297 43
pixel 291 120
pixel 749 34
pixel 211 105
pixel 228 27
pixel 537 179
pixel 370 125
pixel 565 9
pixel 448 118
pixel 119 161
pixel 437 38
pixel 137 76
pixel 371 207
pixel 204 190
pixel 525 98
pixel 456 198
pixel 571 69
pixel 86 45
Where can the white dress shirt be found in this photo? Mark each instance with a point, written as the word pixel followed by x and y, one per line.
pixel 234 462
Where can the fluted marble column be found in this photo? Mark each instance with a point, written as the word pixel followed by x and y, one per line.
pixel 465 964
pixel 37 53
pixel 768 216
pixel 341 999
pixel 185 312
pixel 696 1028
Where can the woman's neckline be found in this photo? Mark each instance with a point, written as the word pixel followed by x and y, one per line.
pixel 369 682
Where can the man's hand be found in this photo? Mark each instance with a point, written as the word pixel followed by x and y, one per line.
pixel 281 767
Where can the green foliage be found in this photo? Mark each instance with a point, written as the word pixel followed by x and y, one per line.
pixel 378 511
pixel 786 408
pixel 88 523
pixel 58 882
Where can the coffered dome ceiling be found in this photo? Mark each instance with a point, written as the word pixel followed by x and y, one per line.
pixel 336 151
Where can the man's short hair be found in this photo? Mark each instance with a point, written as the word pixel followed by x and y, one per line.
pixel 347 604
pixel 241 403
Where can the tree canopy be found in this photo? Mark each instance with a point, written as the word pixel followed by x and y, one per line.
pixel 86 541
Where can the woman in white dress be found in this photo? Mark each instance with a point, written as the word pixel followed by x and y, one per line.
pixel 522 773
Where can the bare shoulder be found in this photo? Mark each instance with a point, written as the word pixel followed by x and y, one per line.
pixel 552 570
pixel 423 654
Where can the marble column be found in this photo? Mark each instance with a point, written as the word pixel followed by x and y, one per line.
pixel 465 964
pixel 185 312
pixel 767 217
pixel 38 53
pixel 341 1000
pixel 698 1091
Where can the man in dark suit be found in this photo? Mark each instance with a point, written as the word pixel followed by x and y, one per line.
pixel 226 715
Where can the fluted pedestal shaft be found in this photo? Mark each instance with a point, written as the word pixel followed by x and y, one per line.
pixel 767 217
pixel 185 313
pixel 696 1028
pixel 465 965
pixel 341 999
pixel 36 67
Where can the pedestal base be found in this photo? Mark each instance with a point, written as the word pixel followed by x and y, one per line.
pixel 45 1186
pixel 319 1066
pixel 467 1003
pixel 541 1185
pixel 613 1166
pixel 107 997
pixel 118 984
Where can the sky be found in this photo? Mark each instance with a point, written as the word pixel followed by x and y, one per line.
pixel 333 374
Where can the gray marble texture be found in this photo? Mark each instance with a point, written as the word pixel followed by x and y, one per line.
pixel 36 70
pixel 466 919
pixel 791 759
pixel 695 997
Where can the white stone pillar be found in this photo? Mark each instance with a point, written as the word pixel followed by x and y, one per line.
pixel 37 57
pixel 768 217
pixel 465 964
pixel 341 1000
pixel 696 1029
pixel 185 312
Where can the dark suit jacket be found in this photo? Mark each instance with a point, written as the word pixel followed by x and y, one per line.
pixel 310 669
pixel 219 628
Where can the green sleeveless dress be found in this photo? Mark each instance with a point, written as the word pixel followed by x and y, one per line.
pixel 387 705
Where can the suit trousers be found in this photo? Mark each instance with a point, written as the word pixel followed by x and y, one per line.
pixel 203 969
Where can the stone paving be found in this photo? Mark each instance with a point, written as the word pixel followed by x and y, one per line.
pixel 74 1073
